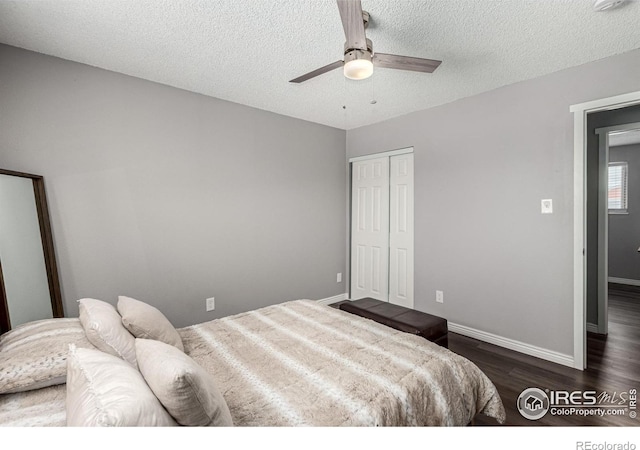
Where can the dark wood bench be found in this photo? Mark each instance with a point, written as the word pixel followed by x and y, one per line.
pixel 404 319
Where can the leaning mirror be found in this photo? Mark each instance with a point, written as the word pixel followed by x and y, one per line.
pixel 29 284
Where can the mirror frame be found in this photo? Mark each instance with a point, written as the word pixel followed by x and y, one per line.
pixel 48 250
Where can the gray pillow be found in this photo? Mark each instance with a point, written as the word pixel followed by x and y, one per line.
pixel 185 389
pixel 147 322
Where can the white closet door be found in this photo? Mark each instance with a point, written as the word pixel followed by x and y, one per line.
pixel 401 230
pixel 370 229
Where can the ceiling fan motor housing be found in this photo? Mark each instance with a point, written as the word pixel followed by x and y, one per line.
pixel 352 55
pixel 348 49
pixel 358 63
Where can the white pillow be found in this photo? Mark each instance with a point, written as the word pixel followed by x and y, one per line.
pixel 105 391
pixel 185 389
pixel 103 326
pixel 34 355
pixel 147 322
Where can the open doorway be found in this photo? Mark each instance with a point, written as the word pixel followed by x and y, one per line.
pixel 618 226
pixel 613 236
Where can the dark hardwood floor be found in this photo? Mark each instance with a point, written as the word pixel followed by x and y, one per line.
pixel 613 363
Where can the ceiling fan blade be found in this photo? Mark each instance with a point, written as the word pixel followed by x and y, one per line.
pixel 405 62
pixel 320 71
pixel 353 23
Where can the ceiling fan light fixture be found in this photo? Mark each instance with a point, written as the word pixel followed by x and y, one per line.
pixel 358 65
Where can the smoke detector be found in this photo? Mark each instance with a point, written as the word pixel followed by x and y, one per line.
pixel 604 5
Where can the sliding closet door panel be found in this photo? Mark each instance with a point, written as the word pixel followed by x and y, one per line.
pixel 401 230
pixel 370 229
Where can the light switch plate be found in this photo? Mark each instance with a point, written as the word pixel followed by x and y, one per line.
pixel 546 206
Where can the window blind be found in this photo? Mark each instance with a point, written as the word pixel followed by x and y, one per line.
pixel 617 187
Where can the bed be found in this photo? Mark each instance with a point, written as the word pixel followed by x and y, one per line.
pixel 301 363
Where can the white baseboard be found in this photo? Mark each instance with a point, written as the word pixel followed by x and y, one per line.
pixel 334 299
pixel 592 327
pixel 527 349
pixel 628 281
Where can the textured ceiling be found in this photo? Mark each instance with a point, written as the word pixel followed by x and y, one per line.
pixel 245 51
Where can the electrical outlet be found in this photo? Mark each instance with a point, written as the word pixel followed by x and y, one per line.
pixel 439 296
pixel 211 304
pixel 339 278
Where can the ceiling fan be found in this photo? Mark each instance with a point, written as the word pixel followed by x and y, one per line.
pixel 359 57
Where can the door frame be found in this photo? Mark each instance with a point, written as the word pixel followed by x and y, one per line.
pixel 400 151
pixel 580 112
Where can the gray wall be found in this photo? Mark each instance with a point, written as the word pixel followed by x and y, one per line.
pixel 482 165
pixel 171 197
pixel 624 229
pixel 594 121
pixel 23 269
